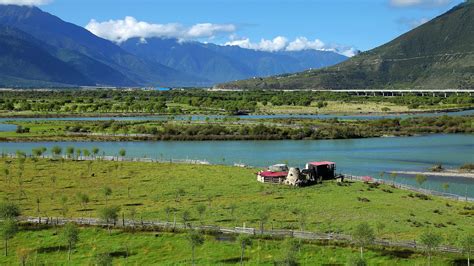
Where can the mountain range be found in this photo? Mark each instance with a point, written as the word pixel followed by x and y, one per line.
pixel 39 49
pixel 436 55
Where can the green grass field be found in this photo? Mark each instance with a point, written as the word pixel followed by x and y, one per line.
pixel 232 197
pixel 45 247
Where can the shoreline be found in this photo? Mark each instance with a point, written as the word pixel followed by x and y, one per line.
pixel 445 173
pixel 112 115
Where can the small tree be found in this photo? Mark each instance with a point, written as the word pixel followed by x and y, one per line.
pixel 109 215
pixel 431 241
pixel 95 151
pixel 168 211
pixel 466 244
pixel 9 210
pixel 86 153
pixel 70 235
pixel 380 227
pixel 291 247
pixel 445 187
pixel 78 153
pixel 122 153
pixel 244 241
pixel 23 254
pixel 393 176
pixel 201 208
pixel 302 217
pixel 420 179
pixel 363 236
pixel 263 216
pixel 83 199
pixel 195 239
pixel 56 150
pixel 38 201
pixel 232 208
pixel 37 152
pixel 107 191
pixel 64 206
pixel 70 151
pixel 186 217
pixel 103 259
pixel 8 230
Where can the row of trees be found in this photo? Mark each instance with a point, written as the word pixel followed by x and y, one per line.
pixel 75 101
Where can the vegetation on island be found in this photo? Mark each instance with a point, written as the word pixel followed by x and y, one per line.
pixel 235 129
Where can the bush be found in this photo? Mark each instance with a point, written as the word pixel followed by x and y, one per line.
pixel 21 130
pixel 467 166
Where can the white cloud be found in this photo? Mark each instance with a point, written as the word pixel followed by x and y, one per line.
pixel 209 30
pixel 281 43
pixel 277 44
pixel 129 27
pixel 302 43
pixel 25 2
pixel 419 3
pixel 121 30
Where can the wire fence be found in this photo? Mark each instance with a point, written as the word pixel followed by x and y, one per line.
pixel 410 188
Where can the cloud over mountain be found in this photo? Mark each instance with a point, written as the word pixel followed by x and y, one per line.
pixel 419 3
pixel 25 2
pixel 281 43
pixel 121 30
pixel 129 27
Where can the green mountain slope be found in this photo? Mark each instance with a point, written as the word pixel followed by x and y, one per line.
pixel 25 60
pixel 436 55
pixel 99 60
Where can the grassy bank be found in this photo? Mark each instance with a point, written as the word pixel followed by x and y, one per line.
pixel 230 197
pixel 45 247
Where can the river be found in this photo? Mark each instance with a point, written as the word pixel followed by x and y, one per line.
pixel 356 156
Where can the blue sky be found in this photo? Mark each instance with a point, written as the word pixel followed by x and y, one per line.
pixel 361 24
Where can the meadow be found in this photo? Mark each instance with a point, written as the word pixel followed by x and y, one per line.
pixel 214 195
pixel 46 247
pixel 231 196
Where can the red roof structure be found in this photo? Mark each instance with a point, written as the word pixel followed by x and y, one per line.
pixel 367 179
pixel 273 174
pixel 322 163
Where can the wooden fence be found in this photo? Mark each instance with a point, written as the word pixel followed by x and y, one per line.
pixel 160 225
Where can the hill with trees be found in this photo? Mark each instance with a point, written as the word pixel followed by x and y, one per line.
pixel 437 55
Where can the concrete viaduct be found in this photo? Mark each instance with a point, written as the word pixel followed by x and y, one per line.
pixel 391 93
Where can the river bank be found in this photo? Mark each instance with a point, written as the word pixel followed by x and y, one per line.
pixel 445 173
pixel 370 156
pixel 22 115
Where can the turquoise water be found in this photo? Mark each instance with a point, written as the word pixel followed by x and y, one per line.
pixel 355 156
pixel 7 128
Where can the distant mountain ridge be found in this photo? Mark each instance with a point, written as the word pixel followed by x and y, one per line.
pixel 70 55
pixel 437 55
pixel 223 63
